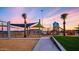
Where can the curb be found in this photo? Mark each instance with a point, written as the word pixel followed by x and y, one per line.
pixel 58 45
pixel 18 38
pixel 35 45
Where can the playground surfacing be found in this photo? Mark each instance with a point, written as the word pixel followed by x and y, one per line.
pixel 17 45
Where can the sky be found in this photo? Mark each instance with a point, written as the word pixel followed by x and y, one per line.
pixel 48 16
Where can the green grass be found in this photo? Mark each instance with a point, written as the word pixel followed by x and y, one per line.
pixel 68 42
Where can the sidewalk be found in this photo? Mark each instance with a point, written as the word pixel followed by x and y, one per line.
pixel 45 44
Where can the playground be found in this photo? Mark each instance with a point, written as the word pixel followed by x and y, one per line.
pixel 37 30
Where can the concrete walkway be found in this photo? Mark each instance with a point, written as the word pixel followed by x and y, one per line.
pixel 45 44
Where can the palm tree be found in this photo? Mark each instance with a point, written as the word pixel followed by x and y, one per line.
pixel 64 16
pixel 24 16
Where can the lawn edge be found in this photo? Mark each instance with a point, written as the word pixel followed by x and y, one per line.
pixel 58 45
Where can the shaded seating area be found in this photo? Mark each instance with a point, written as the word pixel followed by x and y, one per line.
pixel 10 33
pixel 38 27
pixel 32 29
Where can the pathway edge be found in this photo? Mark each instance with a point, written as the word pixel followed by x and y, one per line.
pixel 58 44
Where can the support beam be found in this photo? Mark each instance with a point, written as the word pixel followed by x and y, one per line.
pixel 8 29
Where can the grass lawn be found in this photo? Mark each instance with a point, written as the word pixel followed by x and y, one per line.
pixel 17 45
pixel 68 42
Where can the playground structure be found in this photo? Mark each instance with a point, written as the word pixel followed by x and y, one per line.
pixel 57 30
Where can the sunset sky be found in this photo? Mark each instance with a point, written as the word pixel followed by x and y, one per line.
pixel 49 15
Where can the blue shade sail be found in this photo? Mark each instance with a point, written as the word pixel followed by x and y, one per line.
pixel 22 25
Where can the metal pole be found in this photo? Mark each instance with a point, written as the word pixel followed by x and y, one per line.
pixel 42 18
pixel 8 29
pixel 39 28
pixel 2 30
pixel 2 26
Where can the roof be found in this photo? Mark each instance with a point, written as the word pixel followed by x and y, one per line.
pixel 22 25
pixel 38 25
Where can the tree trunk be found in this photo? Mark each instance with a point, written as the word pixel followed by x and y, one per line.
pixel 25 29
pixel 64 29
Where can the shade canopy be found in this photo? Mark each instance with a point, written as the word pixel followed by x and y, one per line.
pixel 38 25
pixel 4 24
pixel 23 25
